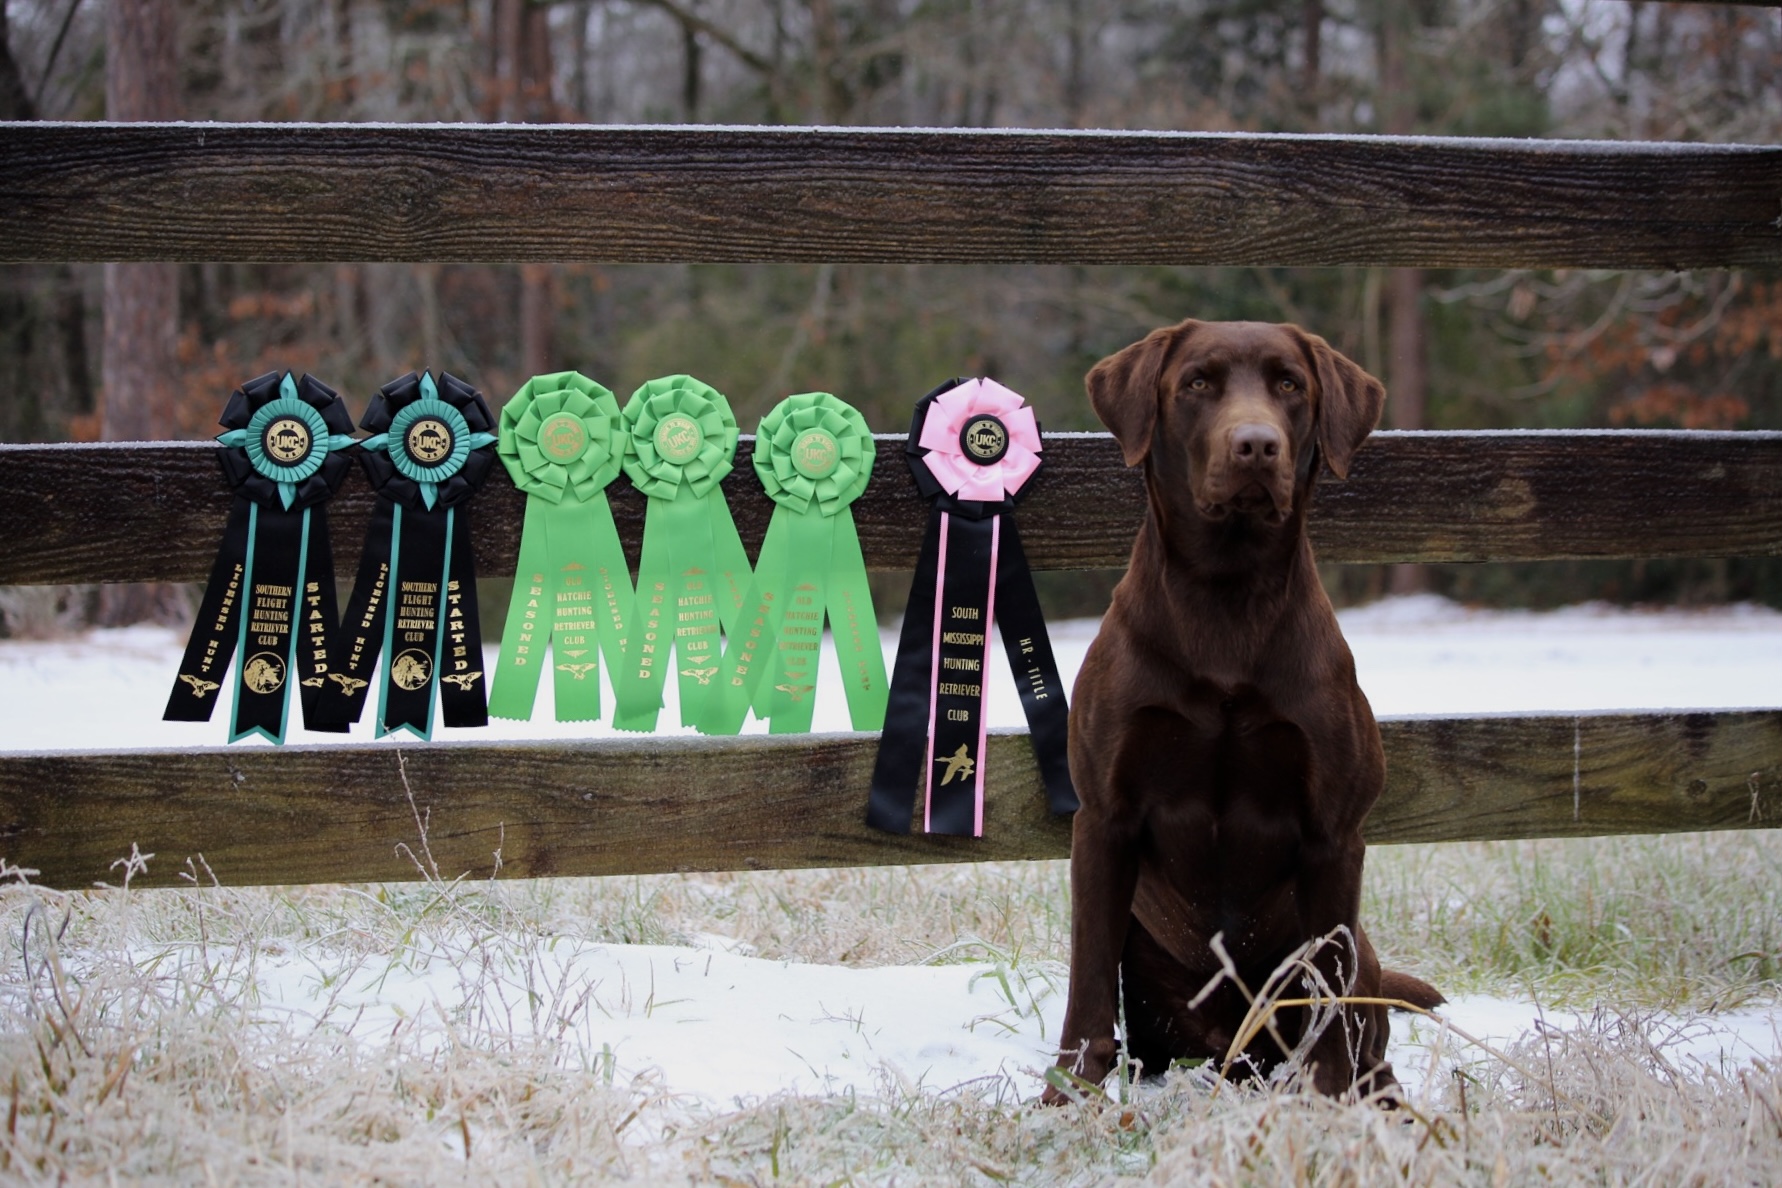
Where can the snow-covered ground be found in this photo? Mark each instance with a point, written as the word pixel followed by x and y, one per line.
pixel 718 1024
pixel 710 1023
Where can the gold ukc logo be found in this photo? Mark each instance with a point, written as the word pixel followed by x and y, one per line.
pixel 815 453
pixel 287 440
pixel 563 438
pixel 429 441
pixel 263 673
pixel 984 439
pixel 678 437
pixel 412 670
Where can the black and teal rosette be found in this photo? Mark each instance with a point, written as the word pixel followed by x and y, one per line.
pixel 814 456
pixel 563 441
pixel 271 592
pixel 693 573
pixel 414 601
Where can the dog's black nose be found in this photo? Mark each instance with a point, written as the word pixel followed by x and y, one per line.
pixel 1255 442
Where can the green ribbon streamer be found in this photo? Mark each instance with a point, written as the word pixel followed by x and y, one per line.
pixel 814 455
pixel 563 439
pixel 694 574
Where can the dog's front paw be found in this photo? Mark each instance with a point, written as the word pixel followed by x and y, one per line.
pixel 1079 1073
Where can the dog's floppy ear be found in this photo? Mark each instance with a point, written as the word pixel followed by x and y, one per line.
pixel 1349 404
pixel 1123 390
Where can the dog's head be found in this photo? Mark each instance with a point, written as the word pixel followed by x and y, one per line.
pixel 1239 411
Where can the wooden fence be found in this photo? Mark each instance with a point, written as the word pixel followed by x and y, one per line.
pixel 140 512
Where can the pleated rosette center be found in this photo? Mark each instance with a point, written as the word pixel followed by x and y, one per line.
pixel 814 450
pixel 428 443
pixel 562 442
pixel 281 432
pixel 682 434
pixel 982 440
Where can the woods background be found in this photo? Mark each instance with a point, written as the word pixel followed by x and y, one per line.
pixel 133 351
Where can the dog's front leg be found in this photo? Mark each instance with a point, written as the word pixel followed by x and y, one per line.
pixel 1330 890
pixel 1103 873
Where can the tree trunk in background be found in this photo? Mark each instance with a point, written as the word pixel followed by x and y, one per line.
pixel 1407 367
pixel 1407 385
pixel 537 318
pixel 832 100
pixel 1075 90
pixel 139 365
pixel 15 101
pixel 690 68
pixel 1311 19
pixel 523 66
pixel 138 361
pixel 1406 335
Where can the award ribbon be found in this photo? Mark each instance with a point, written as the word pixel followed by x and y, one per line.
pixel 972 447
pixel 563 440
pixel 271 591
pixel 814 454
pixel 693 572
pixel 431 449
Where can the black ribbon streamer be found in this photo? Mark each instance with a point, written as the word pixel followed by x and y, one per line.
pixel 426 550
pixel 318 627
pixel 957 693
pixel 414 639
pixel 212 644
pixel 267 569
pixel 463 689
pixel 362 626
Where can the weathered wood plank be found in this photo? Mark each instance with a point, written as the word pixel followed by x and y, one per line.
pixel 323 192
pixel 1561 775
pixel 154 512
pixel 337 814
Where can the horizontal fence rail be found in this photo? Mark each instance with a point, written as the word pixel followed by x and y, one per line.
pixel 515 193
pixel 323 814
pixel 154 512
pixel 340 192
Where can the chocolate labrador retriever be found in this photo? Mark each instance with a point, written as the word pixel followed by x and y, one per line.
pixel 1224 755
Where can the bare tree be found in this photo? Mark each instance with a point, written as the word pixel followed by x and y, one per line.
pixel 1407 335
pixel 521 52
pixel 139 361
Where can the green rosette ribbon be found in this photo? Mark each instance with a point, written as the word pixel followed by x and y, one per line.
pixel 563 440
pixel 814 455
pixel 694 572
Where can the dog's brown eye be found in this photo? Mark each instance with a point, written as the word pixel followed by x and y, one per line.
pixel 1198 384
pixel 1288 385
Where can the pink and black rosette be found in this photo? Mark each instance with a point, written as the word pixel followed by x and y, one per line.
pixel 974 445
pixel 285 451
pixel 432 444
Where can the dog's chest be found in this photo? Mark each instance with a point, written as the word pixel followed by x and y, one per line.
pixel 1216 762
pixel 1228 815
